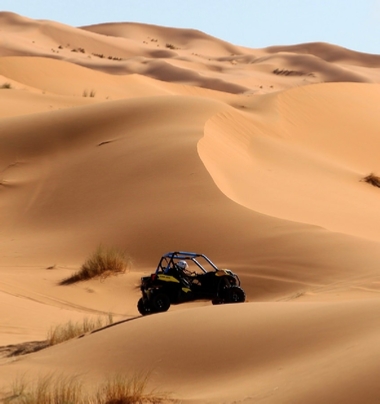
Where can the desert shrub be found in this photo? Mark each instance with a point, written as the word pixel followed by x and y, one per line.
pixel 69 330
pixel 114 58
pixel 120 389
pixel 372 179
pixel 170 46
pixel 104 262
pixel 6 86
pixel 89 94
pixel 52 389
pixel 47 390
pixel 286 72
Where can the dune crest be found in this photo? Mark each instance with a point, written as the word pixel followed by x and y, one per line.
pixel 155 139
pixel 313 145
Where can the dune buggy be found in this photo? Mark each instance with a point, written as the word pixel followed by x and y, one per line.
pixel 198 278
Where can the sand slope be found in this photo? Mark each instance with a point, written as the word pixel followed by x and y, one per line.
pixel 266 352
pixel 156 139
pixel 320 139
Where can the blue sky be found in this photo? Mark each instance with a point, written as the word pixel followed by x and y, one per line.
pixel 354 24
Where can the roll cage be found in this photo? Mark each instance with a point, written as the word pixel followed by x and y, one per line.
pixel 169 260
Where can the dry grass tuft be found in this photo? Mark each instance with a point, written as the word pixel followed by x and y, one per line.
pixel 64 390
pixel 91 94
pixel 6 86
pixel 69 330
pixel 372 179
pixel 286 72
pixel 123 390
pixel 47 390
pixel 104 262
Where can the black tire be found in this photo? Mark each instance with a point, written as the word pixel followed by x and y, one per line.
pixel 234 294
pixel 143 308
pixel 160 302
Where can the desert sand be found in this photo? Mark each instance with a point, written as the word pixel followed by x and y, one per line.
pixel 156 139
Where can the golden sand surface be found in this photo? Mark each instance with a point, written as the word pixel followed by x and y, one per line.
pixel 156 139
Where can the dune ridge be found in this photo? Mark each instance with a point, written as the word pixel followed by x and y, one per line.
pixel 155 139
pixel 158 52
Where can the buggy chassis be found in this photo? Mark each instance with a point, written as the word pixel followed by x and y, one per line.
pixel 167 285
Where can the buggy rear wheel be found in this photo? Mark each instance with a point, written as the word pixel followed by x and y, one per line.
pixel 234 294
pixel 143 308
pixel 160 302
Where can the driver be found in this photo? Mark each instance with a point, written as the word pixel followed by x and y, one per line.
pixel 183 271
pixel 182 266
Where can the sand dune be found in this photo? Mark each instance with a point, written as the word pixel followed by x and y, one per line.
pixel 122 48
pixel 155 139
pixel 330 53
pixel 304 152
pixel 265 351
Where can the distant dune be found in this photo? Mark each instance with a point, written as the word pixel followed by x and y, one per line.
pixel 156 139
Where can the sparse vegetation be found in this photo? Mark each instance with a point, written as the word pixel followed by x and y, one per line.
pixel 91 94
pixel 53 389
pixel 372 179
pixel 6 86
pixel 70 330
pixel 81 50
pixel 285 72
pixel 104 262
pixel 46 390
pixel 99 55
pixel 124 390
pixel 171 46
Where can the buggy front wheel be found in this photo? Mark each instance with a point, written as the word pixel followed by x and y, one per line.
pixel 234 294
